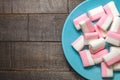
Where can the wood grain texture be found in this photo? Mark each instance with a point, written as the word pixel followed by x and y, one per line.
pixel 36 75
pixel 5 55
pixel 38 55
pixel 7 6
pixel 39 6
pixel 46 27
pixel 30 40
pixel 73 4
pixel 13 27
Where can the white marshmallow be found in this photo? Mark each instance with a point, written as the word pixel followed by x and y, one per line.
pixel 116 67
pixel 86 58
pixel 78 44
pixel 111 9
pixel 96 45
pixel 87 26
pixel 112 58
pixel 115 27
pixel 113 38
pixel 96 13
pixel 106 71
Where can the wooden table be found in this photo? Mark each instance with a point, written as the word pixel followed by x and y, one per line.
pixel 30 40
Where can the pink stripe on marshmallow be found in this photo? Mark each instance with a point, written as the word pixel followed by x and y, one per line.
pixel 108 11
pixel 113 60
pixel 104 22
pixel 89 36
pixel 87 26
pixel 78 44
pixel 77 20
pixel 113 35
pixel 96 13
pixel 106 71
pixel 98 31
pixel 86 58
pixel 98 57
pixel 111 9
pixel 100 54
pixel 97 16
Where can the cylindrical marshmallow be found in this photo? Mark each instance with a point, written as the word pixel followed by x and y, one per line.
pixel 90 36
pixel 104 22
pixel 100 32
pixel 77 20
pixel 86 58
pixel 98 57
pixel 96 45
pixel 116 66
pixel 87 26
pixel 113 38
pixel 112 57
pixel 111 9
pixel 96 13
pixel 115 27
pixel 115 48
pixel 78 44
pixel 106 71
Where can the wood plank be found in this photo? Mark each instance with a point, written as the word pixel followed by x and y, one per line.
pixel 1 6
pixel 36 75
pixel 38 55
pixel 7 6
pixel 46 27
pixel 5 55
pixel 13 27
pixel 39 6
pixel 73 4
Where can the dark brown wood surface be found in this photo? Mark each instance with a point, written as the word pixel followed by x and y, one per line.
pixel 30 40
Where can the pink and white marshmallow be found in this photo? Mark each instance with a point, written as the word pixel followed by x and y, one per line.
pixel 115 27
pixel 111 9
pixel 116 66
pixel 112 57
pixel 96 45
pixel 98 57
pixel 90 36
pixel 77 20
pixel 113 38
pixel 96 13
pixel 106 70
pixel 104 22
pixel 78 44
pixel 86 58
pixel 87 26
pixel 101 33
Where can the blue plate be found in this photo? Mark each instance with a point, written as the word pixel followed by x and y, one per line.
pixel 70 34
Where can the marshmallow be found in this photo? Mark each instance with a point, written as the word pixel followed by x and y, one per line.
pixel 96 13
pixel 77 20
pixel 112 57
pixel 87 26
pixel 78 44
pixel 86 58
pixel 115 27
pixel 104 22
pixel 106 71
pixel 111 9
pixel 98 57
pixel 113 38
pixel 90 36
pixel 96 45
pixel 116 66
pixel 115 48
pixel 98 31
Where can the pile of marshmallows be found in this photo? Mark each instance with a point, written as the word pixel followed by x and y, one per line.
pixel 106 29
